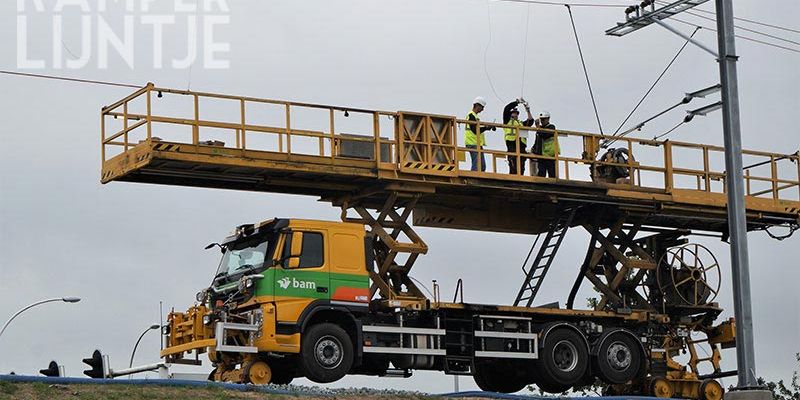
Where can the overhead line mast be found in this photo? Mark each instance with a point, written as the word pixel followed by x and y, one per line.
pixel 647 14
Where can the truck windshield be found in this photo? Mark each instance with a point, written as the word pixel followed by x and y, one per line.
pixel 244 255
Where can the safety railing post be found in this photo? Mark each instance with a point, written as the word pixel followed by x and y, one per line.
pixel 556 153
pixel 479 146
pixel 288 129
pixel 706 169
pixel 376 136
pixel 102 136
pixel 518 155
pixel 747 182
pixel 196 125
pixel 669 178
pixel 125 125
pixel 630 164
pixel 774 180
pixel 149 112
pixel 333 136
pixel 797 161
pixel 398 139
pixel 244 125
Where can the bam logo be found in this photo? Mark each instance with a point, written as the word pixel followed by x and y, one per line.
pixel 294 283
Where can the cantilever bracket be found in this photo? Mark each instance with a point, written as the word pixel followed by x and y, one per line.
pixel 686 37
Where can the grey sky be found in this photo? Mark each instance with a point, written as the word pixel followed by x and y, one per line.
pixel 123 247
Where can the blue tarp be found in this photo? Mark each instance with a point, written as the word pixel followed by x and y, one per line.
pixel 272 390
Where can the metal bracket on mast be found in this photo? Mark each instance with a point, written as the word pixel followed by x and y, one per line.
pixel 686 37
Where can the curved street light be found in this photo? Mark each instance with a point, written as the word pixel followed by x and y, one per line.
pixel 64 299
pixel 149 328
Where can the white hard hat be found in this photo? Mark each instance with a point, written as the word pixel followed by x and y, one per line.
pixel 544 114
pixel 479 100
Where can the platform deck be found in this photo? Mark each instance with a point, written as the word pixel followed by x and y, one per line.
pixel 420 153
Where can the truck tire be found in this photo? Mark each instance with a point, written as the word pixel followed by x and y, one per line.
pixel 493 377
pixel 326 353
pixel 619 358
pixel 563 360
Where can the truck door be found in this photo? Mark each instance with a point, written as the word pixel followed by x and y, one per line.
pixel 303 275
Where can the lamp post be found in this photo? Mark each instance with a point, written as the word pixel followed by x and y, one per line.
pixel 64 299
pixel 133 353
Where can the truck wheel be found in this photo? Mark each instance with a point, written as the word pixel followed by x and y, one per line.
pixel 711 390
pixel 326 353
pixel 619 358
pixel 563 360
pixel 257 373
pixel 493 378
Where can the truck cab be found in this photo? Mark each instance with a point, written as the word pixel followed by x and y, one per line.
pixel 273 279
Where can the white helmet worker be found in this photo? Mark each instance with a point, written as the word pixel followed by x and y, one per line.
pixel 544 114
pixel 479 100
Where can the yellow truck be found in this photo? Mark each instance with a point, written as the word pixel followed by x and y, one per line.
pixel 291 298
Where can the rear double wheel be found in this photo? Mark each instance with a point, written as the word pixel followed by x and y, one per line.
pixel 327 353
pixel 619 359
pixel 563 360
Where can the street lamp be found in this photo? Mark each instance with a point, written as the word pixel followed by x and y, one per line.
pixel 64 299
pixel 149 328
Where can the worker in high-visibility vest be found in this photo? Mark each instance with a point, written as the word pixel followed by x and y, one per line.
pixel 516 139
pixel 473 140
pixel 545 145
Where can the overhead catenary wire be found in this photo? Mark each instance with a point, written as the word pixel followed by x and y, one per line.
pixel 747 29
pixel 739 27
pixel 68 79
pixel 554 3
pixel 585 71
pixel 613 139
pixel 525 50
pixel 650 90
pixel 669 131
pixel 486 51
pixel 737 36
pixel 782 28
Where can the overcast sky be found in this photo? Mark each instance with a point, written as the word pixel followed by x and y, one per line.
pixel 124 247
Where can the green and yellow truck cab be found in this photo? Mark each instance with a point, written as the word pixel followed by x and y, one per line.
pixel 275 280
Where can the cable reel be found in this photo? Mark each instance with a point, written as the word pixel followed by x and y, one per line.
pixel 689 275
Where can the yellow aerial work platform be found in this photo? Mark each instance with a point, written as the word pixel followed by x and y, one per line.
pixel 343 155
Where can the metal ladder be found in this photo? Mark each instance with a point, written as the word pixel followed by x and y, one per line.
pixel 535 273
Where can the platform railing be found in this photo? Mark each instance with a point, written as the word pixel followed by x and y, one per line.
pixel 433 140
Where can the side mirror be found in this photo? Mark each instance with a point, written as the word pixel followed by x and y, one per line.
pixel 221 249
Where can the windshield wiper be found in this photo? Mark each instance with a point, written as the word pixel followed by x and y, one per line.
pixel 246 266
pixel 220 275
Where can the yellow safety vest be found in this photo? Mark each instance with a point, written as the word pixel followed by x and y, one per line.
pixel 470 138
pixel 549 147
pixel 511 133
